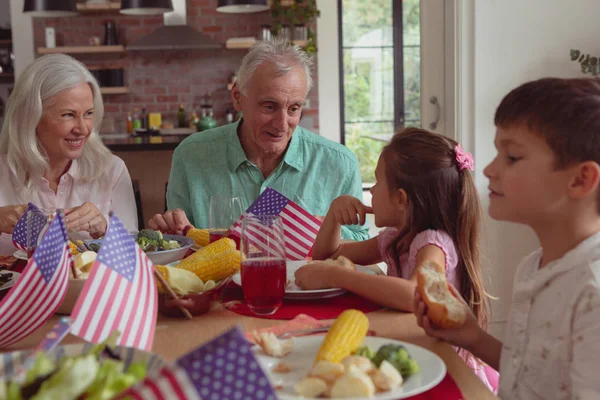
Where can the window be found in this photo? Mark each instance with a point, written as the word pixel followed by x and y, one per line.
pixel 379 74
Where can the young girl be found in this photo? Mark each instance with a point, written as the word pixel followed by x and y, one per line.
pixel 426 198
pixel 546 175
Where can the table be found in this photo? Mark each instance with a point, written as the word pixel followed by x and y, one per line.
pixel 175 337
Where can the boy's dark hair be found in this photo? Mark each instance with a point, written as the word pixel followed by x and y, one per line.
pixel 565 112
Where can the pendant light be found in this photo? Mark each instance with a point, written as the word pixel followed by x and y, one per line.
pixel 242 6
pixel 50 8
pixel 145 7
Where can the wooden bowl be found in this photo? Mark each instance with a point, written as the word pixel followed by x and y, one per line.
pixel 195 303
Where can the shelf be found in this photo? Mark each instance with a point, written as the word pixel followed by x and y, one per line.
pixel 99 7
pixel 247 45
pixel 81 49
pixel 114 90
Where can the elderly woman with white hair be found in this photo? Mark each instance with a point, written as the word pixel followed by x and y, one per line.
pixel 51 154
pixel 266 148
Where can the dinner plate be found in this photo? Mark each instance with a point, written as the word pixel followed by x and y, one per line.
pixel 301 360
pixel 10 283
pixel 294 292
pixel 20 254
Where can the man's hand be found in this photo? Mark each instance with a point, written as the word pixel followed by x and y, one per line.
pixel 172 222
pixel 9 216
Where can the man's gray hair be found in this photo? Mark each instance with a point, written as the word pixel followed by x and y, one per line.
pixel 283 55
pixel 34 91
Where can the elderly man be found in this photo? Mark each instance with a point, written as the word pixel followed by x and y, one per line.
pixel 266 148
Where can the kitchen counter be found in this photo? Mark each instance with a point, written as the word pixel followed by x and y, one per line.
pixel 143 143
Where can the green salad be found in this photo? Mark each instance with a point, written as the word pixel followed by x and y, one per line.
pixel 149 240
pixel 97 375
pixel 396 355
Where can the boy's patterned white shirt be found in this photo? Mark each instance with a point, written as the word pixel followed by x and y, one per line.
pixel 551 344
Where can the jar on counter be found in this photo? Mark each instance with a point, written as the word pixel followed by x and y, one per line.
pixel 285 32
pixel 265 32
pixel 300 32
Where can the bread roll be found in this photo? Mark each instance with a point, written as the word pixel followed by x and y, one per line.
pixel 444 309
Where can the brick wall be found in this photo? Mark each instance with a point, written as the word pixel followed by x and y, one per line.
pixel 161 80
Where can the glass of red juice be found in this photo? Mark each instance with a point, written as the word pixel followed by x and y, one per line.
pixel 223 212
pixel 263 267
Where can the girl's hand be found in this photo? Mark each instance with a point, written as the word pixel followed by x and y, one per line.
pixel 314 277
pixel 88 218
pixel 465 336
pixel 348 210
pixel 9 216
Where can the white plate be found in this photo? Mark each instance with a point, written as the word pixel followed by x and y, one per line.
pixel 20 254
pixel 302 358
pixel 9 284
pixel 294 292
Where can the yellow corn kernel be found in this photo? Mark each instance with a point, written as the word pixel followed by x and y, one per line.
pixel 200 236
pixel 74 250
pixel 213 267
pixel 164 272
pixel 344 337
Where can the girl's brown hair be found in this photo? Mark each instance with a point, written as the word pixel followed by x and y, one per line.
pixel 440 197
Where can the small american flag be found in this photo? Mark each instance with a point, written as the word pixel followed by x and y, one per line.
pixel 224 368
pixel 300 227
pixel 37 223
pixel 119 294
pixel 41 287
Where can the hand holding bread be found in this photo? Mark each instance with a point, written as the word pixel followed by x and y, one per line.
pixel 440 310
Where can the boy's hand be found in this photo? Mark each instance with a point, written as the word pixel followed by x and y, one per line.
pixel 348 210
pixel 465 336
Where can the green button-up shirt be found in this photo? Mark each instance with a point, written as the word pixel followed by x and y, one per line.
pixel 313 172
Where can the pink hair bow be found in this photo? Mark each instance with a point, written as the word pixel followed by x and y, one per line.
pixel 464 159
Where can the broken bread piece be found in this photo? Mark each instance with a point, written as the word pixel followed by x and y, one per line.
pixel 386 377
pixel 444 309
pixel 327 370
pixel 271 345
pixel 354 383
pixel 310 387
pixel 340 262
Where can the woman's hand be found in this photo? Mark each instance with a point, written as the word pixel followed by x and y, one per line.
pixel 466 336
pixel 348 210
pixel 9 216
pixel 314 276
pixel 87 218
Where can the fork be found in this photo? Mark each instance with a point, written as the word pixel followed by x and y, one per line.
pixel 303 332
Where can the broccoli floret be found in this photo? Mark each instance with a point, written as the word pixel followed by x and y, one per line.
pixel 149 234
pixel 365 351
pixel 147 244
pixel 95 247
pixel 397 356
pixel 169 244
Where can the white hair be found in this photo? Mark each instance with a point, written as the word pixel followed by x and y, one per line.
pixel 43 79
pixel 280 53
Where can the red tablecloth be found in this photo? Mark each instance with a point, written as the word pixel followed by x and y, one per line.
pixel 319 309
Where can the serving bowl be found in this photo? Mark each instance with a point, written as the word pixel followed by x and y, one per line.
pixel 195 303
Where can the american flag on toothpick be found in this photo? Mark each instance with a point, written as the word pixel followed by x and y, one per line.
pixel 300 227
pixel 224 368
pixel 119 294
pixel 40 288
pixel 37 221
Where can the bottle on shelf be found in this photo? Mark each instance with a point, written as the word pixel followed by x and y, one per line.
pixel 129 123
pixel 181 117
pixel 144 119
pixel 137 121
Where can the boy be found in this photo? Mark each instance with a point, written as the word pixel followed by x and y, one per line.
pixel 546 175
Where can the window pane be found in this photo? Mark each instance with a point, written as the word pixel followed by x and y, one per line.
pixel 411 33
pixel 366 140
pixel 412 86
pixel 367 23
pixel 369 84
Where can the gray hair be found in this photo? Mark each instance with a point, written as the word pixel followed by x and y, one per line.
pixel 283 55
pixel 43 79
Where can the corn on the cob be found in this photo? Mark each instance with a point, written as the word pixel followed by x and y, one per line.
pixel 200 236
pixel 344 337
pixel 220 246
pixel 74 250
pixel 181 281
pixel 213 267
